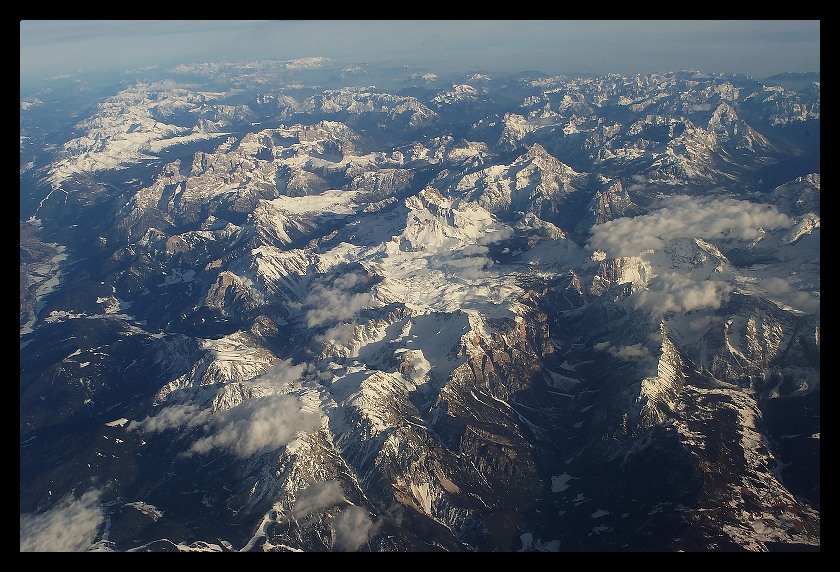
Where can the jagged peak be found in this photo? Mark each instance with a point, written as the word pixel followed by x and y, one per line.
pixel 538 151
pixel 540 157
pixel 427 198
pixel 724 114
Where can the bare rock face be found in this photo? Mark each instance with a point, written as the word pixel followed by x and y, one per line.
pixel 383 183
pixel 608 204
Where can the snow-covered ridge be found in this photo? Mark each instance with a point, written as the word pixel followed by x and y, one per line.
pixel 135 124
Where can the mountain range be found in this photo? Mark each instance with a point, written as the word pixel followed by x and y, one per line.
pixel 292 306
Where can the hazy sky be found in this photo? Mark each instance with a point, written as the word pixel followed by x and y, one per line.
pixel 759 48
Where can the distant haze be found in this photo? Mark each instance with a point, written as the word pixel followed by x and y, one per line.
pixel 759 48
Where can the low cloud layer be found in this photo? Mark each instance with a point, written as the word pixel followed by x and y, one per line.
pixel 326 305
pixel 282 373
pixel 686 217
pixel 252 427
pixel 352 527
pixel 780 290
pixel 340 334
pixel 256 426
pixel 680 217
pixel 673 292
pixel 632 352
pixel 70 526
pixel 317 497
pixel 467 264
pixel 174 416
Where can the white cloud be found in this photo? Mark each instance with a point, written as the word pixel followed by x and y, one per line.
pixel 334 304
pixel 352 527
pixel 347 281
pixel 689 326
pixel 340 334
pixel 70 526
pixel 712 219
pixel 174 416
pixel 635 351
pixel 282 372
pixel 251 427
pixel 466 267
pixel 636 183
pixel 257 425
pixel 317 497
pixel 776 286
pixel 672 292
pixel 686 217
pixel 780 290
pixel 495 235
pixel 632 352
